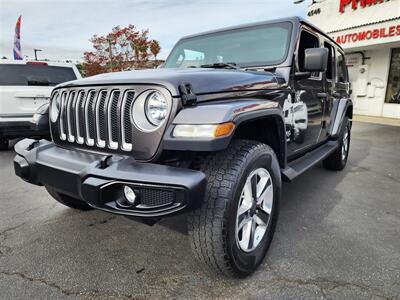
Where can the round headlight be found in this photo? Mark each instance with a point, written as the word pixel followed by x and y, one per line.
pixel 55 107
pixel 156 108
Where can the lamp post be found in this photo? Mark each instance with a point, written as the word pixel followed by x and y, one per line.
pixel 36 50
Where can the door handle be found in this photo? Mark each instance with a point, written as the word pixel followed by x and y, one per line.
pixel 322 95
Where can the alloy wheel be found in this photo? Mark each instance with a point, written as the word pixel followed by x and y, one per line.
pixel 254 210
pixel 345 144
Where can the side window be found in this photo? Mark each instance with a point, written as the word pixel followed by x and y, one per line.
pixel 330 72
pixel 307 40
pixel 341 68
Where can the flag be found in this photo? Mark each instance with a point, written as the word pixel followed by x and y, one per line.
pixel 17 40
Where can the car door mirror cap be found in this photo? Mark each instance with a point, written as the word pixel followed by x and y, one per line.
pixel 316 59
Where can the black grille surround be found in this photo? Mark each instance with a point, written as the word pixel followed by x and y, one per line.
pixel 98 118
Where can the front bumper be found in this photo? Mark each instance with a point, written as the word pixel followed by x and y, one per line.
pixel 98 179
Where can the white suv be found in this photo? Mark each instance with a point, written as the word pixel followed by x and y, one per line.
pixel 24 87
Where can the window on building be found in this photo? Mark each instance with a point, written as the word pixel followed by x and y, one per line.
pixel 307 40
pixel 341 68
pixel 330 72
pixel 393 87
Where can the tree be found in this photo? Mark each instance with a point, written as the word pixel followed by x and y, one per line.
pixel 155 49
pixel 123 48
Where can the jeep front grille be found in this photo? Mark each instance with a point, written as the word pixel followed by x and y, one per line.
pixel 97 118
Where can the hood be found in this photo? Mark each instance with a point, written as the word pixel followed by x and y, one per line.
pixel 203 80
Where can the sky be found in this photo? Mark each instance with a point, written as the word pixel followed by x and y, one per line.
pixel 62 29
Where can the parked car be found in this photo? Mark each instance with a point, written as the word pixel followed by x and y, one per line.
pixel 206 134
pixel 24 87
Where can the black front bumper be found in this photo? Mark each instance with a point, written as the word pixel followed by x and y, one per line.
pixel 99 179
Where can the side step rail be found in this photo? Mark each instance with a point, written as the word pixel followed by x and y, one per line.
pixel 309 160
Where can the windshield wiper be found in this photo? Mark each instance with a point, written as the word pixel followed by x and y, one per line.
pixel 221 65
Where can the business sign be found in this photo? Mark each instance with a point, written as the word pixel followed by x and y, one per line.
pixel 366 35
pixel 358 4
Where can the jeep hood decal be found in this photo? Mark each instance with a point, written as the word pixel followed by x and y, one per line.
pixel 203 81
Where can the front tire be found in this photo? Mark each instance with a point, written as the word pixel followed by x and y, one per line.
pixel 67 200
pixel 232 231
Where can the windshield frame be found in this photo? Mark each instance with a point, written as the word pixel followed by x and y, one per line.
pixel 284 60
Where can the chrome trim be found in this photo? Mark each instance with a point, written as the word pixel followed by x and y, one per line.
pixel 71 99
pixel 111 144
pixel 79 98
pixel 89 141
pixel 63 136
pixel 99 142
pixel 125 146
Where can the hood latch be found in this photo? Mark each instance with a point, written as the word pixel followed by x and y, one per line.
pixel 189 98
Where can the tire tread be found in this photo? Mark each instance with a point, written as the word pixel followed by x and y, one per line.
pixel 207 225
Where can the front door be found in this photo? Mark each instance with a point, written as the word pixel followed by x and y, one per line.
pixel 306 110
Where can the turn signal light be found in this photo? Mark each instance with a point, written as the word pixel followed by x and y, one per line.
pixel 224 129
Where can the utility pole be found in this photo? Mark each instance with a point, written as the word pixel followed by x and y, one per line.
pixel 36 50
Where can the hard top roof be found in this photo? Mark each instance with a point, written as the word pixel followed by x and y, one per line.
pixel 295 20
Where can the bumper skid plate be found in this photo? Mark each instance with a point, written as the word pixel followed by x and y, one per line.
pixel 99 179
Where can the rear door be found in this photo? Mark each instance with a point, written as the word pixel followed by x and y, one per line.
pixel 25 87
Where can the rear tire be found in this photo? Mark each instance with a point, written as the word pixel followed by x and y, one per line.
pixel 67 200
pixel 216 231
pixel 337 160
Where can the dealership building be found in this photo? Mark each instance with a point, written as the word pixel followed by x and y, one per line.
pixel 369 32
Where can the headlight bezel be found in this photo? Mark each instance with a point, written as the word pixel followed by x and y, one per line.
pixel 153 120
pixel 138 110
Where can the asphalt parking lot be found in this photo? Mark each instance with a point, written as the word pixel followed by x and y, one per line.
pixel 338 237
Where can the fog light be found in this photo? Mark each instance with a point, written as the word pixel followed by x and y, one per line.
pixel 130 195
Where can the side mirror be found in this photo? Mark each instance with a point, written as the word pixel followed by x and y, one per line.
pixel 316 59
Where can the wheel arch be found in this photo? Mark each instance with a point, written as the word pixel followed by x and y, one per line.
pixel 268 128
pixel 341 108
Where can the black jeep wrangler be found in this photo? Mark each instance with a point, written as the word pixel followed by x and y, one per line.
pixel 213 132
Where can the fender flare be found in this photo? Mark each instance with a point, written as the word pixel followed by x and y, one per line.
pixel 339 111
pixel 238 112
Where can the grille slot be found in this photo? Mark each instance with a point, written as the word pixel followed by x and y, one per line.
pixel 89 118
pixel 100 120
pixel 79 117
pixel 70 120
pixel 126 126
pixel 112 115
pixel 63 120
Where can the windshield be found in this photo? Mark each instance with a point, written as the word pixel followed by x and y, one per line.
pixel 263 45
pixel 43 75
